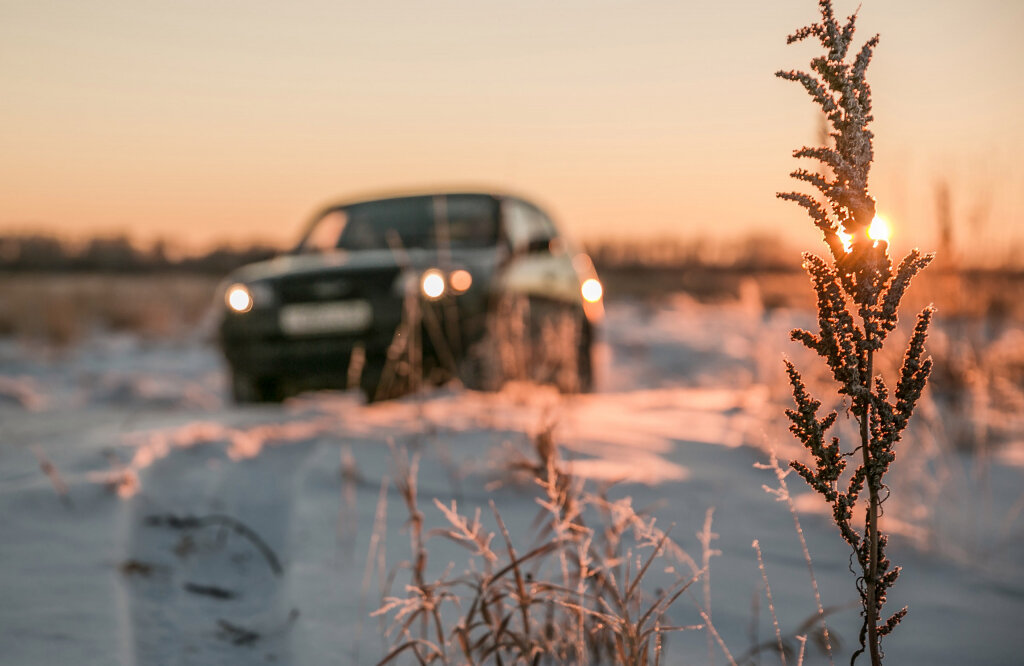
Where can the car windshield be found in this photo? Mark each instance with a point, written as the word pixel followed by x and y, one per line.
pixel 430 222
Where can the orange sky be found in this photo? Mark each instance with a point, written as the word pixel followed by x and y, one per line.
pixel 228 120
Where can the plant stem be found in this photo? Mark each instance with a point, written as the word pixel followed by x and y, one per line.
pixel 871 571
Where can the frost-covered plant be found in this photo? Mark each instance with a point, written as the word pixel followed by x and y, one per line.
pixel 575 595
pixel 860 279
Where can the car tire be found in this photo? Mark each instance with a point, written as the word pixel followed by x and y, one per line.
pixel 574 367
pixel 528 341
pixel 480 369
pixel 247 390
pixel 379 382
pixel 370 380
pixel 585 360
pixel 501 353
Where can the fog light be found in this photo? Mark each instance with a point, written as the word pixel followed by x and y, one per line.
pixel 460 280
pixel 432 284
pixel 238 298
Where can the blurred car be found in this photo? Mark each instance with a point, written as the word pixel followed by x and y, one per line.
pixel 389 294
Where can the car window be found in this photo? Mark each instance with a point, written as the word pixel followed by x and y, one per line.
pixel 323 236
pixel 467 221
pixel 525 224
pixel 456 221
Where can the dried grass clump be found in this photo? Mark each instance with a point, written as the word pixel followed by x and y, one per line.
pixel 60 310
pixel 860 279
pixel 574 595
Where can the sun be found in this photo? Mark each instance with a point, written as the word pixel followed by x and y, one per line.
pixel 846 239
pixel 879 229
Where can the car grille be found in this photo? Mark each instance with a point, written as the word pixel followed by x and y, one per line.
pixel 372 285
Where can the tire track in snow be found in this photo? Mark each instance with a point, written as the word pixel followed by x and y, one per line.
pixel 205 585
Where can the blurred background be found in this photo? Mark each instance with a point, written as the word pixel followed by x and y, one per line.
pixel 189 125
pixel 147 149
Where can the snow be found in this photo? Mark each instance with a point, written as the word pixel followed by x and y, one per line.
pixel 691 397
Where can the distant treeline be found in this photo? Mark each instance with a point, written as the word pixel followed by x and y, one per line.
pixel 118 254
pixel 756 253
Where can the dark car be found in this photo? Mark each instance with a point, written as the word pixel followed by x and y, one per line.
pixel 390 294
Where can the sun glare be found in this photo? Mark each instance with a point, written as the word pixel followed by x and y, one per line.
pixel 846 239
pixel 879 230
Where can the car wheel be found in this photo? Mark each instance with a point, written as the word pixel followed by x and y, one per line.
pixel 246 389
pixel 570 352
pixel 561 353
pixel 480 369
pixel 370 382
pixel 584 360
pixel 379 382
pixel 538 340
pixel 502 353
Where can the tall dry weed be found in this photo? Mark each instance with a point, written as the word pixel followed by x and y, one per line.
pixel 858 297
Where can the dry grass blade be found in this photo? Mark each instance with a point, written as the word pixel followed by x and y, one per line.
pixel 668 599
pixel 375 555
pixel 539 551
pixel 718 638
pixel 524 597
pixel 412 645
pixel 804 629
pixel 469 535
pixel 771 602
pixel 50 470
pixel 647 565
pixel 803 647
pixel 782 495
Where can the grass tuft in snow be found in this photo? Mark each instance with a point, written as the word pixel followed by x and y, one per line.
pixel 575 594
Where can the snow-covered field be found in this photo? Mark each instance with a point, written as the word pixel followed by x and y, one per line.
pixel 126 550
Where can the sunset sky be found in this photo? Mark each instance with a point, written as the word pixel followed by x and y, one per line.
pixel 204 121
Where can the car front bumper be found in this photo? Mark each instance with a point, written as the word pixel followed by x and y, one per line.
pixel 255 345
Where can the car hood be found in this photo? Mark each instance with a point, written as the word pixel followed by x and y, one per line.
pixel 480 261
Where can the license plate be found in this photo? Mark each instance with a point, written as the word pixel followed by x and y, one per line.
pixel 314 318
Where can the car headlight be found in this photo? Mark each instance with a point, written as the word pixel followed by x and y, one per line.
pixel 432 284
pixel 241 297
pixel 238 298
pixel 460 280
pixel 591 290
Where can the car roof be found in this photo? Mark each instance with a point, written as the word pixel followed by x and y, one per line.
pixel 412 194
pixel 373 197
